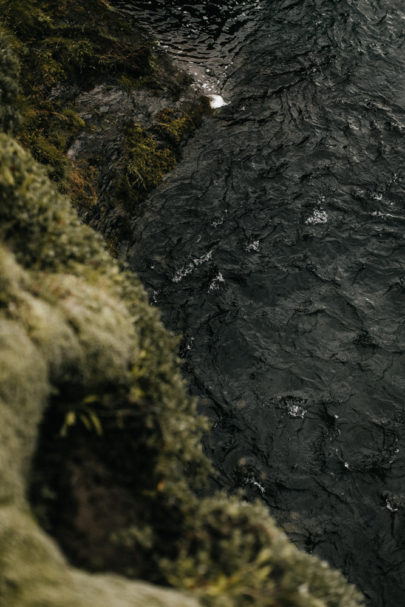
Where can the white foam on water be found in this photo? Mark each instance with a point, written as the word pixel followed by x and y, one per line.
pixel 294 410
pixel 318 216
pixel 252 481
pixel 391 506
pixel 216 101
pixel 216 283
pixel 384 215
pixel 253 246
pixel 190 344
pixel 190 267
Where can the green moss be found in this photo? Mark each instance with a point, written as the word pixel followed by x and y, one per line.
pixel 148 155
pixel 47 130
pixel 9 75
pixel 172 127
pixel 81 184
pixel 128 83
pixel 143 166
pixel 38 224
pixel 231 553
pixel 70 41
pixel 26 19
pixel 80 45
pixel 36 221
pixel 65 42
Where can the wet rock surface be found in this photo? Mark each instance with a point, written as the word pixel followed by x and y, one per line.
pixel 107 110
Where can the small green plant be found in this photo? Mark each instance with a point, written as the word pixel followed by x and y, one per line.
pixel 85 414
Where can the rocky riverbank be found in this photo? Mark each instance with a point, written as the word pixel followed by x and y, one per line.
pixel 100 444
pixel 100 106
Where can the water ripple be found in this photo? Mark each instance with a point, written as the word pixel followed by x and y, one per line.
pixel 296 317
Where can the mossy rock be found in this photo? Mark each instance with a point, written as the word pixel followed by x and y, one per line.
pixel 147 155
pixel 143 165
pixel 68 49
pixel 67 43
pixel 232 554
pixel 70 324
pixel 172 126
pixel 9 75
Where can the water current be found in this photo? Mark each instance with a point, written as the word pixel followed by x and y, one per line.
pixel 277 248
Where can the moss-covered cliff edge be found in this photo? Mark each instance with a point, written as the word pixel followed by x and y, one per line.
pixel 99 105
pixel 86 364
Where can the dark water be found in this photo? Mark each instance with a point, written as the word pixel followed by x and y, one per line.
pixel 203 38
pixel 278 249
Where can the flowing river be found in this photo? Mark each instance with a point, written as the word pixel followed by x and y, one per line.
pixel 277 248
